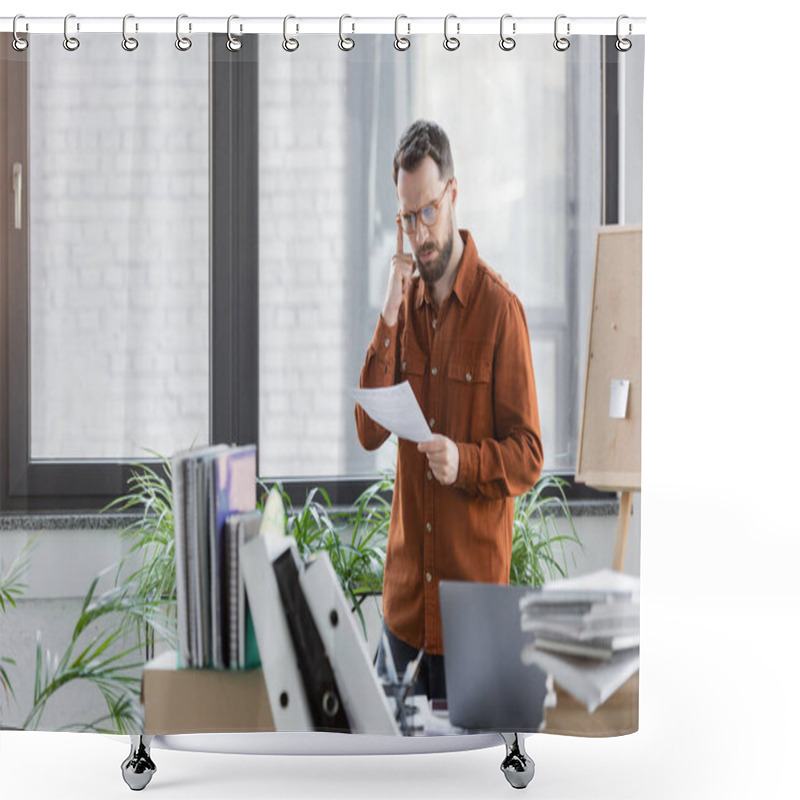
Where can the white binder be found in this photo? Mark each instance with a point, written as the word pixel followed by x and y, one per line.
pixel 364 701
pixel 285 690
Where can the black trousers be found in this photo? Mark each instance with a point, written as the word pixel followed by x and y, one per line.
pixel 430 677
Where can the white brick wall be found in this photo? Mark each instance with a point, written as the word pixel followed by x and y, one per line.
pixel 303 261
pixel 119 247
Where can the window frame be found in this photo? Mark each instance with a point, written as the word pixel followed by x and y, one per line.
pixel 89 485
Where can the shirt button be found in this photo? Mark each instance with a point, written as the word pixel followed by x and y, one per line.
pixel 404 366
pixel 434 371
pixel 469 377
pixel 387 342
pixel 430 475
pixel 431 422
pixel 429 527
pixel 434 324
pixel 428 577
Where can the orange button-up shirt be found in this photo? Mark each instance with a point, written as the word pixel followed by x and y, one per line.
pixel 469 364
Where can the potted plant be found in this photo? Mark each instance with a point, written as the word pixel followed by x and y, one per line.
pixel 12 587
pixel 538 549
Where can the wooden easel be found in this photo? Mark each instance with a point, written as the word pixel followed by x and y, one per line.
pixel 609 449
pixel 623 526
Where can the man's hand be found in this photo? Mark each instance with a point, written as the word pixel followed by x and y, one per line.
pixel 400 272
pixel 442 456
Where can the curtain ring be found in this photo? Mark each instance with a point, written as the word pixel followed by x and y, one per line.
pixel 451 42
pixel 561 43
pixel 128 42
pixel 507 42
pixel 233 44
pixel 183 43
pixel 71 43
pixel 289 45
pixel 623 45
pixel 19 44
pixel 345 43
pixel 400 42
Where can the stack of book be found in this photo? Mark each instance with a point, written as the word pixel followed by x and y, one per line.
pixel 214 497
pixel 585 632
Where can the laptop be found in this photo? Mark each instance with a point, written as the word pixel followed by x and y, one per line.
pixel 488 686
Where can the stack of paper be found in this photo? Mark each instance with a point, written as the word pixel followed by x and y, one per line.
pixel 585 632
pixel 209 485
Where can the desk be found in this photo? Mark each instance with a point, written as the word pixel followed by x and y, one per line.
pixel 617 716
pixel 226 701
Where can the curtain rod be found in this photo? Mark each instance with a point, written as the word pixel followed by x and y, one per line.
pixel 459 26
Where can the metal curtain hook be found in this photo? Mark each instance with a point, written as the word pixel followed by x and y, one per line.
pixel 451 42
pixel 400 42
pixel 289 44
pixel 128 42
pixel 233 44
pixel 183 43
pixel 623 45
pixel 18 43
pixel 71 43
pixel 345 43
pixel 561 43
pixel 507 42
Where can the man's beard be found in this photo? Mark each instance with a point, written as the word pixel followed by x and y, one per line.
pixel 432 271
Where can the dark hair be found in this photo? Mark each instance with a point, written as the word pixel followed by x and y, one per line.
pixel 423 138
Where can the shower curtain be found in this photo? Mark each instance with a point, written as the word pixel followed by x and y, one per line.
pixel 203 237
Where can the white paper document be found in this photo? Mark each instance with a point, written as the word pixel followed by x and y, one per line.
pixel 618 400
pixel 396 409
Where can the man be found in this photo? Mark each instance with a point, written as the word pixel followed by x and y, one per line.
pixel 458 334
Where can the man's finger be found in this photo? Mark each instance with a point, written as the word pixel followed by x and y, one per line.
pixel 399 238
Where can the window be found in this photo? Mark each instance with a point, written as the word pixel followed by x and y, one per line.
pixel 525 146
pixel 118 186
pixel 163 291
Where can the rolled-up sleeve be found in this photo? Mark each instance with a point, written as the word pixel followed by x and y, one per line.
pixel 510 463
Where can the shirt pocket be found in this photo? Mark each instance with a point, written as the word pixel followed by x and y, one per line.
pixel 413 366
pixel 468 395
pixel 471 369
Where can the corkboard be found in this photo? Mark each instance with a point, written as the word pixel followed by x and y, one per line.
pixel 610 450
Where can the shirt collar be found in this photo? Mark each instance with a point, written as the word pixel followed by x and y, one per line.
pixel 465 275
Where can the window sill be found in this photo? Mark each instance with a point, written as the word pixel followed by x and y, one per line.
pixel 16 521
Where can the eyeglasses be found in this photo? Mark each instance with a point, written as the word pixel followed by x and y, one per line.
pixel 427 214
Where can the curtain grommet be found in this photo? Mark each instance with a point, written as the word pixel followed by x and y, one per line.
pixel 451 43
pixel 290 44
pixel 233 44
pixel 622 44
pixel 561 43
pixel 71 43
pixel 182 43
pixel 401 43
pixel 346 44
pixel 507 43
pixel 18 43
pixel 129 43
